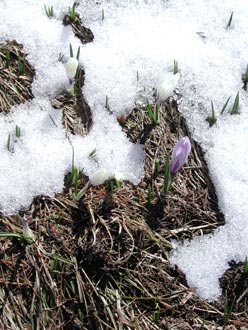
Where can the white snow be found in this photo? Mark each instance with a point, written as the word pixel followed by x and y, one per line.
pixel 143 38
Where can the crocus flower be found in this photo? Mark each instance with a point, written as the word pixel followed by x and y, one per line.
pixel 166 85
pixel 27 232
pixel 100 176
pixel 71 69
pixel 180 155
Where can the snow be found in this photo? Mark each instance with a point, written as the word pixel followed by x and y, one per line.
pixel 136 37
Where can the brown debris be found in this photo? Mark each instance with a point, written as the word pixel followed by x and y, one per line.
pixel 15 78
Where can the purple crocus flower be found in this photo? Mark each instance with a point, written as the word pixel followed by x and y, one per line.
pixel 180 155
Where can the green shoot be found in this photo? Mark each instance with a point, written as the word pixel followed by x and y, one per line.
pixel 212 119
pixel 72 13
pixel 156 166
pixel 92 155
pixel 235 109
pixel 201 34
pixel 49 11
pixel 71 51
pixel 137 75
pixel 227 310
pixel 230 21
pixel 8 143
pixel 175 67
pixel 107 107
pixel 53 121
pixel 7 59
pixel 78 53
pixel 103 14
pixel 167 176
pixel 17 131
pixel 246 78
pixel 117 183
pixel 77 196
pixel 21 64
pixel 153 114
pixel 225 105
pixel 246 265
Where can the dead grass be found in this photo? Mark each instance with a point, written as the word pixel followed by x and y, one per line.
pixel 102 262
pixel 16 76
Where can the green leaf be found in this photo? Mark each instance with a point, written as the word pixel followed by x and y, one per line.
pixel 167 176
pixel 235 109
pixel 225 105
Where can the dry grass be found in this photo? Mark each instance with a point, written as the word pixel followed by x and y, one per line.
pixel 16 76
pixel 102 262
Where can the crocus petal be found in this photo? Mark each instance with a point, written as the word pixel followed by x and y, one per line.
pixel 27 232
pixel 71 68
pixel 166 85
pixel 180 155
pixel 100 177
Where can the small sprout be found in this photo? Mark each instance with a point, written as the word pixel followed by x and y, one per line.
pixel 72 13
pixel 71 51
pixel 49 11
pixel 235 109
pixel 212 119
pixel 153 114
pixel 137 75
pixel 78 53
pixel 225 105
pixel 107 107
pixel 167 176
pixel 27 232
pixel 21 64
pixel 246 78
pixel 71 69
pixel 8 143
pixel 246 265
pixel 103 14
pixel 175 67
pixel 92 154
pixel 227 310
pixel 230 21
pixel 156 167
pixel 7 61
pixel 166 85
pixel 17 131
pixel 53 121
pixel 201 34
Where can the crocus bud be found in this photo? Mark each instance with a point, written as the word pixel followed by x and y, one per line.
pixel 180 155
pixel 27 232
pixel 166 85
pixel 100 176
pixel 119 176
pixel 71 69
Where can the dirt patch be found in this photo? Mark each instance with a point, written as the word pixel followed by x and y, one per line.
pixel 16 76
pixel 77 116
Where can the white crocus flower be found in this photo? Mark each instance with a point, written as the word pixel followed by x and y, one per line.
pixel 27 232
pixel 71 69
pixel 166 85
pixel 100 176
pixel 119 176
